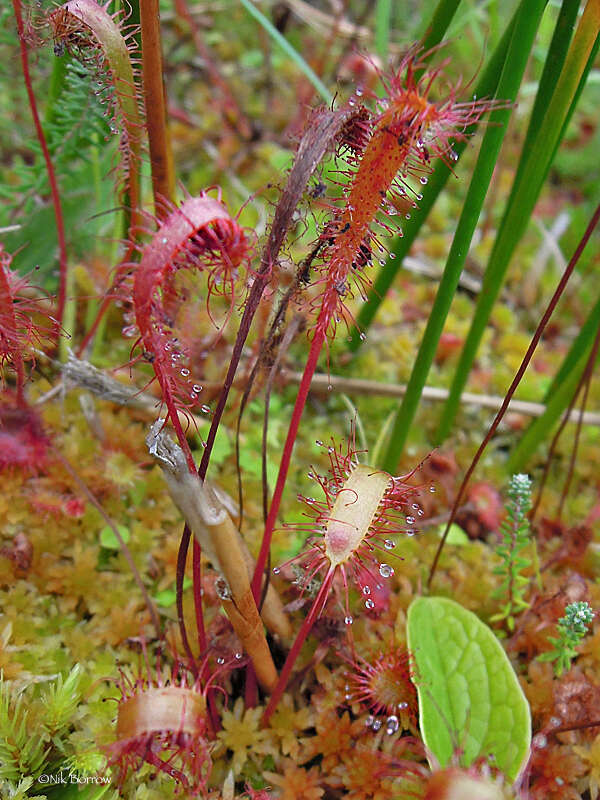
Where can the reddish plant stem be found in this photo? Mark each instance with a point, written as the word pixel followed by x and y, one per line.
pixel 513 387
pixel 161 160
pixel 309 371
pixel 305 629
pixel 260 282
pixel 58 215
pixel 197 580
pixel 566 417
pixel 585 384
pixel 179 578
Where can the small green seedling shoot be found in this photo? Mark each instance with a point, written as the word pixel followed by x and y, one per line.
pixel 571 630
pixel 515 540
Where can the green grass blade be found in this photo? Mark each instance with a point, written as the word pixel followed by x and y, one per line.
pixel 523 198
pixel 290 51
pixel 486 87
pixel 442 17
pixel 383 20
pixel 557 52
pixel 526 25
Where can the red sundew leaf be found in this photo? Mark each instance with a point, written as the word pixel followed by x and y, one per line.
pixel 19 333
pixel 200 235
pixel 90 33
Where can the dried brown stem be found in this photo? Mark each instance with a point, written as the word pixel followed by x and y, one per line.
pixel 206 515
pixel 161 159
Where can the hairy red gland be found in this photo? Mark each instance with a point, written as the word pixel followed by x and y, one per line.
pixel 385 686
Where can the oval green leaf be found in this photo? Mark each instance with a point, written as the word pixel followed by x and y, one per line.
pixel 470 700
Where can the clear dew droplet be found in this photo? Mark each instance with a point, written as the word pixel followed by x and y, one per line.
pixel 220 660
pixel 359 91
pixel 410 520
pixel 369 721
pixel 539 741
pixel 386 571
pixel 362 337
pixel 392 725
pixel 164 240
pixel 128 331
pixel 392 256
pixel 276 570
pixel 377 723
pixel 197 388
pixel 382 262
pixel 205 409
pixel 366 590
pixel 402 706
pixel 423 180
pixel 432 489
pixel 185 372
pixel 420 512
pixel 389 544
pixel 319 443
pixel 222 589
pixel 238 656
pixel 407 216
pixel 348 620
pixel 369 604
pixel 410 532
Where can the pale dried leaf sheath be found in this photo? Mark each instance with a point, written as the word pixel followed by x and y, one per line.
pixel 353 512
pixel 221 542
pixel 161 709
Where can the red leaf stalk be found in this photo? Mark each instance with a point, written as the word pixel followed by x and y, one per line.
pixel 58 215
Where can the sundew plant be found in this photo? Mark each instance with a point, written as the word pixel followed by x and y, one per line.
pixel 205 291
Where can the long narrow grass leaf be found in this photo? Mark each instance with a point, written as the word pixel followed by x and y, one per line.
pixel 442 17
pixel 520 46
pixel 383 19
pixel 557 52
pixel 287 48
pixel 523 198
